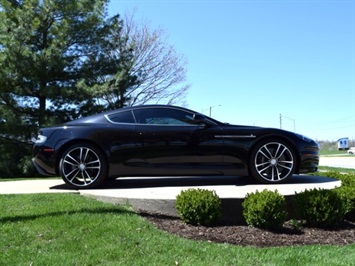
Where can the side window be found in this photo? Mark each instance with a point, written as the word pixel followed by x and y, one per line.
pixel 121 117
pixel 163 116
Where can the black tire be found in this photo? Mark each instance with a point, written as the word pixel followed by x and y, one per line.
pixel 83 166
pixel 272 161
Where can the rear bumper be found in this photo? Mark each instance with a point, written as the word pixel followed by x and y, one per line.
pixel 42 170
pixel 39 169
pixel 44 160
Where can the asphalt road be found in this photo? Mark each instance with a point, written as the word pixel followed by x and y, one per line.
pixel 345 161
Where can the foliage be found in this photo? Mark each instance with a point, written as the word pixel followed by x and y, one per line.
pixel 329 147
pixel 68 229
pixel 347 195
pixel 320 207
pixel 62 59
pixel 346 191
pixel 323 169
pixel 347 179
pixel 48 50
pixel 199 206
pixel 161 70
pixel 266 209
pixel 12 162
pixel 14 150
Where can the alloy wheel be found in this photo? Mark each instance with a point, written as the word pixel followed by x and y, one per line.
pixel 81 166
pixel 274 162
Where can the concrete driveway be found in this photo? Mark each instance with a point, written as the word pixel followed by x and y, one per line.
pixel 345 161
pixel 169 187
pixel 159 194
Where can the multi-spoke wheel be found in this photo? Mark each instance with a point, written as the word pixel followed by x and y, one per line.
pixel 272 161
pixel 83 166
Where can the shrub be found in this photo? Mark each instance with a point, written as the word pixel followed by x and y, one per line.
pixel 346 179
pixel 347 195
pixel 266 209
pixel 320 207
pixel 199 206
pixel 332 174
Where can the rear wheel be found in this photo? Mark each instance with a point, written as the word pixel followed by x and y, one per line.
pixel 83 166
pixel 272 161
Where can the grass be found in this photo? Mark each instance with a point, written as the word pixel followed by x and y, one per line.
pixel 334 169
pixel 69 229
pixel 3 179
pixel 335 153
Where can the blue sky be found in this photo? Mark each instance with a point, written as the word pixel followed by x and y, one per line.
pixel 254 60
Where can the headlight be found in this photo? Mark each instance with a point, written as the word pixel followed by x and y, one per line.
pixel 39 139
pixel 304 138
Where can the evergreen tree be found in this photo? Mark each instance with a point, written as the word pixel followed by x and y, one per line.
pixel 56 58
pixel 56 55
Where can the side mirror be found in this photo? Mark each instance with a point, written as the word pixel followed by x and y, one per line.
pixel 200 120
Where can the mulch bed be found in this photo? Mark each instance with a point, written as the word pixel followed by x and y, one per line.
pixel 244 235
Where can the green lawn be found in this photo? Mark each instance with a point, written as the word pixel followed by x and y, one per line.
pixel 334 153
pixel 333 169
pixel 68 229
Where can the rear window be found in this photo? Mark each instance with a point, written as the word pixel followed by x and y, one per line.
pixel 125 117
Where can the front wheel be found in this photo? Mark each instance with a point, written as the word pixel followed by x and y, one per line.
pixel 83 166
pixel 272 161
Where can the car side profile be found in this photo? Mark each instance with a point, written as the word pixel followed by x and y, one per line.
pixel 161 140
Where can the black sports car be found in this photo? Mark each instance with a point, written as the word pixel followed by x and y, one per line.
pixel 155 140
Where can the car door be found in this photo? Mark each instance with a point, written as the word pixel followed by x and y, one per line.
pixel 171 142
pixel 120 142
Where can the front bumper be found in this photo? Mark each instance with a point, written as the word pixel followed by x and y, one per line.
pixel 309 160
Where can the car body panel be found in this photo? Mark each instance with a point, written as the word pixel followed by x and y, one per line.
pixel 138 141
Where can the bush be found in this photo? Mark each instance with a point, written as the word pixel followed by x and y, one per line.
pixel 199 206
pixel 332 174
pixel 346 179
pixel 15 160
pixel 347 195
pixel 266 209
pixel 320 207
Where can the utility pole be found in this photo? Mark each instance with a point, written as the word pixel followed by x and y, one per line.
pixel 213 107
pixel 292 119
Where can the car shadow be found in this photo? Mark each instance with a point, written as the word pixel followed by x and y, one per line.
pixel 176 181
pixel 239 181
pixel 185 181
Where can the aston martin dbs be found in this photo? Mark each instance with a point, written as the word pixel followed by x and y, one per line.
pixel 160 140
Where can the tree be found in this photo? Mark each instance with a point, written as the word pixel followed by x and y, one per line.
pixel 47 49
pixel 55 57
pixel 13 146
pixel 160 71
